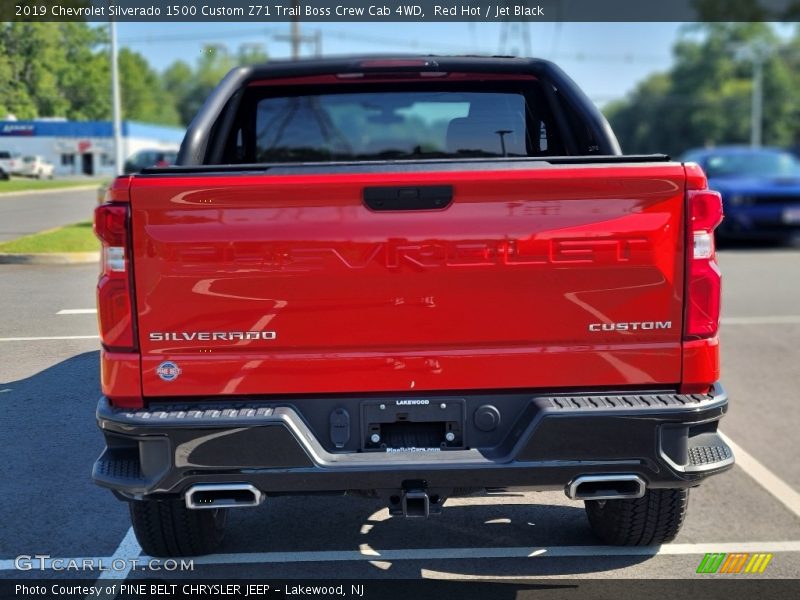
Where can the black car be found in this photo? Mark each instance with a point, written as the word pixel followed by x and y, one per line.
pixel 149 158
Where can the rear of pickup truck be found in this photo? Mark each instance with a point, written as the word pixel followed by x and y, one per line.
pixel 483 315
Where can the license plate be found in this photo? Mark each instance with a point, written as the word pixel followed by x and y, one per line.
pixel 791 216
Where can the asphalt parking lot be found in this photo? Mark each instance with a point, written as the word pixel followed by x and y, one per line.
pixel 49 387
pixel 29 212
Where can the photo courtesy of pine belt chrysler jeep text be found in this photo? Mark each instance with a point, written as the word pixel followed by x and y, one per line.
pixel 407 278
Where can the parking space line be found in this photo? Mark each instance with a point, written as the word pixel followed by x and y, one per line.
pixel 779 489
pixel 484 553
pixel 765 320
pixel 50 338
pixel 130 548
pixel 77 311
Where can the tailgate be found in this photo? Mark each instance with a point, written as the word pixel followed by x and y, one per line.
pixel 542 277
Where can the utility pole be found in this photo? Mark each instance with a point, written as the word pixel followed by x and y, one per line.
pixel 296 39
pixel 515 37
pixel 757 53
pixel 115 102
pixel 756 119
pixel 318 43
pixel 296 31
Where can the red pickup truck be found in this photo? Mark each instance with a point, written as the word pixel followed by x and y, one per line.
pixel 409 278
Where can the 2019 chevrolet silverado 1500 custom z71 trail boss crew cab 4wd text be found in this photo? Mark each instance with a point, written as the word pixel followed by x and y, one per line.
pixel 409 278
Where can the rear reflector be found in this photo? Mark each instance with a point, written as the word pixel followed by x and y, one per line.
pixel 704 282
pixel 114 290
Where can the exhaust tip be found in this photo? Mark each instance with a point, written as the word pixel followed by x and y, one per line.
pixel 606 487
pixel 222 495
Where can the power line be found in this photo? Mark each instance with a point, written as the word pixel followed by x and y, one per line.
pixel 627 58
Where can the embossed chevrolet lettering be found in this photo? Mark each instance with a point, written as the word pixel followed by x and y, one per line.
pixel 394 254
pixel 211 336
pixel 631 326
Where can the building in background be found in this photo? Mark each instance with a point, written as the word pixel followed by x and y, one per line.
pixel 84 147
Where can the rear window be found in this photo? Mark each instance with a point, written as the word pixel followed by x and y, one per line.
pixel 394 124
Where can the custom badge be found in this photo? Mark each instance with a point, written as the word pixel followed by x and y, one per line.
pixel 168 371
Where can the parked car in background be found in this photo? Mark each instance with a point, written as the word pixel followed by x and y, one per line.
pixel 149 158
pixel 35 166
pixel 4 176
pixel 9 162
pixel 760 190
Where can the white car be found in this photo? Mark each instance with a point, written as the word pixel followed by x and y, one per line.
pixel 10 162
pixel 35 166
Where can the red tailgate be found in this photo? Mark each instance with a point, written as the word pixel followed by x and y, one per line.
pixel 542 277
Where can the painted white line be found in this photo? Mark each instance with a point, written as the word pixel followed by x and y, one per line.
pixel 484 553
pixel 77 311
pixel 369 554
pixel 128 548
pixel 765 320
pixel 784 493
pixel 50 338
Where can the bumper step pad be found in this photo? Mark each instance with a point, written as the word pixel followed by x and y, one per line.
pixel 707 452
pixel 708 455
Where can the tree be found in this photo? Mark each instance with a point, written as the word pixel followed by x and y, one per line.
pixel 142 91
pixel 84 76
pixel 191 87
pixel 52 70
pixel 63 70
pixel 705 98
pixel 178 80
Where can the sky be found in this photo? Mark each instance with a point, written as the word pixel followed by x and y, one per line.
pixel 606 59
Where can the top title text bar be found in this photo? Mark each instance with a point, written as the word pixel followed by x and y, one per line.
pixel 417 11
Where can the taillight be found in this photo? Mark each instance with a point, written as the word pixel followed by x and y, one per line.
pixel 114 290
pixel 703 284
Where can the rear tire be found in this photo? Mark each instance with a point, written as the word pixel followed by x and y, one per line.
pixel 655 518
pixel 168 528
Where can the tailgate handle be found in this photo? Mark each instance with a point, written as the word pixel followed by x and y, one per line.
pixel 422 197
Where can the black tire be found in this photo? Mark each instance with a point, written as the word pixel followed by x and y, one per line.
pixel 655 518
pixel 168 528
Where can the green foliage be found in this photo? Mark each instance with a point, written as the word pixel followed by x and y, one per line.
pixel 52 69
pixel 24 184
pixel 705 98
pixel 144 97
pixel 63 70
pixel 191 86
pixel 72 238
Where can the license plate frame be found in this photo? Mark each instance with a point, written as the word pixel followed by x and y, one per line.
pixel 449 412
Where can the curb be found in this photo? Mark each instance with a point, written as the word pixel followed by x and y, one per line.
pixel 53 258
pixel 73 188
